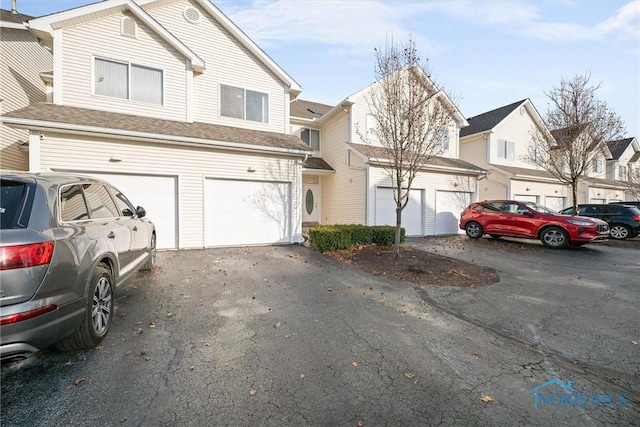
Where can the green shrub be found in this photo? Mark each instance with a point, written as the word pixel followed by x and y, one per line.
pixel 337 237
pixel 329 238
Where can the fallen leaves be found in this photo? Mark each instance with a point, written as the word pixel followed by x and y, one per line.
pixel 354 364
pixel 486 398
pixel 76 382
pixel 253 392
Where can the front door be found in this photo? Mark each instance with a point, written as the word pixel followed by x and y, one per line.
pixel 311 203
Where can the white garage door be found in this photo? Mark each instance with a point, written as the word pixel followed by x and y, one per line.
pixel 526 198
pixel 157 195
pixel 449 205
pixel 554 203
pixel 599 201
pixel 412 214
pixel 247 212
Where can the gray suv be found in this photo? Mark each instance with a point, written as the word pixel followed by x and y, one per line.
pixel 67 243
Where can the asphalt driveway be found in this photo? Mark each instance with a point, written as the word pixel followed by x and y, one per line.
pixel 285 336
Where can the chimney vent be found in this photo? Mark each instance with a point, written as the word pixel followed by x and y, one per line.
pixel 14 6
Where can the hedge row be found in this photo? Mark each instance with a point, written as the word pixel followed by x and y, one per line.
pixel 336 237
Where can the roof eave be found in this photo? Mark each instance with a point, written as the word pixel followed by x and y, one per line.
pixel 61 127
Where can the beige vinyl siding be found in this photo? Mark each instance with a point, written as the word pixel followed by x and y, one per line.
pixel 474 151
pixel 516 127
pixel 20 85
pixel 427 182
pixel 190 164
pixel 343 193
pixel 101 38
pixel 494 186
pixel 227 63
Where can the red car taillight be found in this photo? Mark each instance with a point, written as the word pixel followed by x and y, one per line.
pixel 22 256
pixel 19 317
pixel 636 217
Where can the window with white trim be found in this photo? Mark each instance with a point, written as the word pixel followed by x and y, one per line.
pixel 597 166
pixel 244 104
pixel 443 143
pixel 622 172
pixel 311 137
pixel 128 81
pixel 506 149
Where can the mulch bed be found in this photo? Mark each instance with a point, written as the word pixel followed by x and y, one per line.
pixel 416 266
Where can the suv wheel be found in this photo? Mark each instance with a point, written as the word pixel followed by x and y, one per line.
pixel 151 261
pixel 554 237
pixel 473 230
pixel 619 231
pixel 98 313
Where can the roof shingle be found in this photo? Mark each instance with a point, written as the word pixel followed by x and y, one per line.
pixel 103 121
pixel 308 109
pixel 487 121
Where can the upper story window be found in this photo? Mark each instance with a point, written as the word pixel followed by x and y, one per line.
pixel 311 137
pixel 444 142
pixel 622 172
pixel 598 166
pixel 128 81
pixel 244 104
pixel 506 149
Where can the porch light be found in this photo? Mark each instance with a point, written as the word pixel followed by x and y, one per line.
pixel 250 169
pixel 115 159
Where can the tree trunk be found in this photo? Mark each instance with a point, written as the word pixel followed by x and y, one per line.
pixel 396 244
pixel 574 195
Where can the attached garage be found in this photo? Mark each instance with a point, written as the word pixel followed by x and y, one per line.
pixel 449 205
pixel 157 195
pixel 526 198
pixel 555 203
pixel 412 214
pixel 241 212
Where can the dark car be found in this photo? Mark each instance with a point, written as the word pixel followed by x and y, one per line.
pixel 623 219
pixel 636 203
pixel 531 221
pixel 67 243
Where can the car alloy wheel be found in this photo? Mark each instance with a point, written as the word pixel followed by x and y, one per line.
pixel 619 232
pixel 102 305
pixel 473 230
pixel 554 237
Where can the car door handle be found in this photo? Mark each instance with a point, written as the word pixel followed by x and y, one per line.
pixel 111 235
pixel 135 228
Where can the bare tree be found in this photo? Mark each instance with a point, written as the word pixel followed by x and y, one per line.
pixel 632 182
pixel 580 125
pixel 411 119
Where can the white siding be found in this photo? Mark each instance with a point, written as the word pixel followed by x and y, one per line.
pixel 190 164
pixel 20 85
pixel 517 128
pixel 474 151
pixel 228 63
pixel 427 182
pixel 102 38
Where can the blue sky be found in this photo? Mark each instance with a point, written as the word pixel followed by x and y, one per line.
pixel 485 53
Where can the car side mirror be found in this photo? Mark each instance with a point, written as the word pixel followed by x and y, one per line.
pixel 140 212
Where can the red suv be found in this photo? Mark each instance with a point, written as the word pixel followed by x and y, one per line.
pixel 530 221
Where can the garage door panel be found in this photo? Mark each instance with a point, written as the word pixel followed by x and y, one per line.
pixel 555 203
pixel 449 205
pixel 157 195
pixel 247 212
pixel 412 214
pixel 526 198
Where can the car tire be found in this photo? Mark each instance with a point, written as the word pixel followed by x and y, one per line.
pixel 473 230
pixel 619 231
pixel 554 237
pixel 151 261
pixel 98 313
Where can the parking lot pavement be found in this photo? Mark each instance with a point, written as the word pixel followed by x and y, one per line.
pixel 285 336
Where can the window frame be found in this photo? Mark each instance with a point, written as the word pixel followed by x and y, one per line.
pixel 129 90
pixel 504 145
pixel 308 141
pixel 265 106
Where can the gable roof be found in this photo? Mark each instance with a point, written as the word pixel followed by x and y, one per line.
pixel 68 119
pixel 308 109
pixel 379 154
pixel 486 121
pixel 317 164
pixel 44 27
pixel 9 19
pixel 249 44
pixel 618 147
